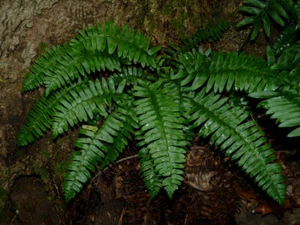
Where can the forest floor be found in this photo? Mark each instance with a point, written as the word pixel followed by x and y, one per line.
pixel 214 191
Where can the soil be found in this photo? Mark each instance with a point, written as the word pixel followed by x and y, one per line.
pixel 214 191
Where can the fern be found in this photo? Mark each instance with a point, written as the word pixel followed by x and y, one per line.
pixel 40 118
pixel 93 49
pixel 161 132
pixel 96 146
pixel 83 103
pixel 287 39
pixel 240 138
pixel 263 12
pixel 284 106
pixel 225 71
pixel 112 84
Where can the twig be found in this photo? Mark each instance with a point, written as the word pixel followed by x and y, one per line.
pixel 117 162
pixel 121 216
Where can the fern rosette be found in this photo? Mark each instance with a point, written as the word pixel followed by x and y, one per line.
pixel 109 81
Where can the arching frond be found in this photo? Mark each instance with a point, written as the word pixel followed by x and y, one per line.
pixel 40 117
pixel 161 135
pixel 152 179
pixel 261 13
pixel 284 106
pixel 84 102
pixel 97 146
pixel 94 49
pixel 127 43
pixel 240 138
pixel 225 71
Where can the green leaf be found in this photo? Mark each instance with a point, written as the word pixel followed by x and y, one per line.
pixel 245 22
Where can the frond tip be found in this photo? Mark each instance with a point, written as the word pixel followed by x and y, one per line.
pixel 161 137
pixel 97 146
pixel 262 13
pixel 228 127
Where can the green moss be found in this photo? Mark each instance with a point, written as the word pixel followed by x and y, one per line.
pixel 3 203
pixel 42 48
pixel 42 172
pixel 147 18
pixel 3 194
pixel 60 168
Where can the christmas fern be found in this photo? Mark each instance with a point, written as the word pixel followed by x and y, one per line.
pixel 113 85
pixel 161 134
pixel 96 145
pixel 262 13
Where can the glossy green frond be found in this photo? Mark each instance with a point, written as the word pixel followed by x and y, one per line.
pixel 284 107
pixel 288 38
pixel 261 14
pixel 152 179
pixel 97 146
pixel 63 65
pixel 240 138
pixel 125 42
pixel 84 102
pixel 38 121
pixel 94 49
pixel 225 71
pixel 161 134
pixel 286 67
pixel 130 75
pixel 40 118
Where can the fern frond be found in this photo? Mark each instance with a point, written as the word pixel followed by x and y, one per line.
pixel 84 102
pixel 161 133
pixel 40 117
pixel 288 37
pixel 125 114
pixel 263 12
pixel 38 121
pixel 283 106
pixel 131 75
pixel 225 71
pixel 94 49
pixel 243 140
pixel 125 42
pixel 152 179
pixel 97 146
pixel 36 76
pixel 287 67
